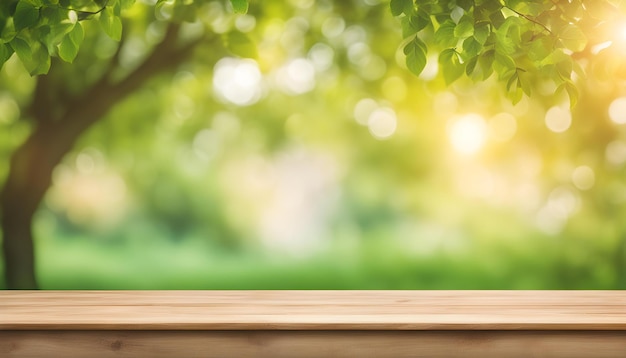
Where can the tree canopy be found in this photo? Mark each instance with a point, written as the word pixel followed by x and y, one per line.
pixel 519 41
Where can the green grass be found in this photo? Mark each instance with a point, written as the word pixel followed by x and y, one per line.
pixel 84 263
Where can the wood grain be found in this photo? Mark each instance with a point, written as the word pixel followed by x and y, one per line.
pixel 313 310
pixel 303 344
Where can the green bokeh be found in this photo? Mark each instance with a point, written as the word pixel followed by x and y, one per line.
pixel 329 167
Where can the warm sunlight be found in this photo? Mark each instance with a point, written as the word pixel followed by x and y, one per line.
pixel 238 81
pixel 302 144
pixel 467 133
pixel 558 119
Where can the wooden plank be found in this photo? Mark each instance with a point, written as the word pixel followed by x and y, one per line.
pixel 313 310
pixel 570 344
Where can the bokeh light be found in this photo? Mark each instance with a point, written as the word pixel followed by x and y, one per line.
pixel 325 163
pixel 467 133
pixel 238 81
pixel 558 119
pixel 382 122
pixel 617 110
pixel 363 109
pixel 296 77
pixel 583 177
pixel 616 152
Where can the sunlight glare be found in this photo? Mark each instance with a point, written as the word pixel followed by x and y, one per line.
pixel 382 123
pixel 296 77
pixel 467 134
pixel 583 177
pixel 363 109
pixel 321 56
pixel 617 110
pixel 558 119
pixel 238 81
pixel 616 152
pixel 562 203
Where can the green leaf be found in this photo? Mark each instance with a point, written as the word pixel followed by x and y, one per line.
pixel 8 33
pixel 415 52
pixel 540 48
pixel 572 92
pixel 573 38
pixel 555 57
pixel 508 35
pixel 400 6
pixel 240 44
pixel 444 35
pixel 565 67
pixel 54 15
pixel 511 81
pixel 5 53
pixel 116 5
pixel 516 94
pixel 496 18
pixel 22 49
pixel 465 4
pixel 68 48
pixel 239 6
pixel 573 10
pixel 33 55
pixel 164 10
pixel 25 16
pixel 465 27
pixel 523 81
pixel 451 65
pixel 111 24
pixel 471 47
pixel 470 65
pixel 485 61
pixel 414 23
pixel 126 4
pixel 57 24
pixel 504 65
pixel 514 89
pixel 481 32
pixel 407 27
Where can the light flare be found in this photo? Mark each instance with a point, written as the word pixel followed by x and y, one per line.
pixel 467 134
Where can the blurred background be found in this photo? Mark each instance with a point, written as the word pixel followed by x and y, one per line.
pixel 323 163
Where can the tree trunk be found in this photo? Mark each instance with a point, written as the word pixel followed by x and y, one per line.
pixel 30 176
pixel 30 171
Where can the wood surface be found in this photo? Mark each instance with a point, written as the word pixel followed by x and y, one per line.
pixel 313 310
pixel 304 344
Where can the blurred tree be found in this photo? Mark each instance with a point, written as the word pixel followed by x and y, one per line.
pixel 66 102
pixel 521 41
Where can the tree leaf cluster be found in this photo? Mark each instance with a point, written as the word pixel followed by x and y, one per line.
pixel 514 40
pixel 36 30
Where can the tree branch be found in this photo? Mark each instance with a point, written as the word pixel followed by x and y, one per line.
pixel 529 19
pixel 94 103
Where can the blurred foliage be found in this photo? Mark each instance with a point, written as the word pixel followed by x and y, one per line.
pixel 324 163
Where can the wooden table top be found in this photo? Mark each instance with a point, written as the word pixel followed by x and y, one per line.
pixel 312 310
